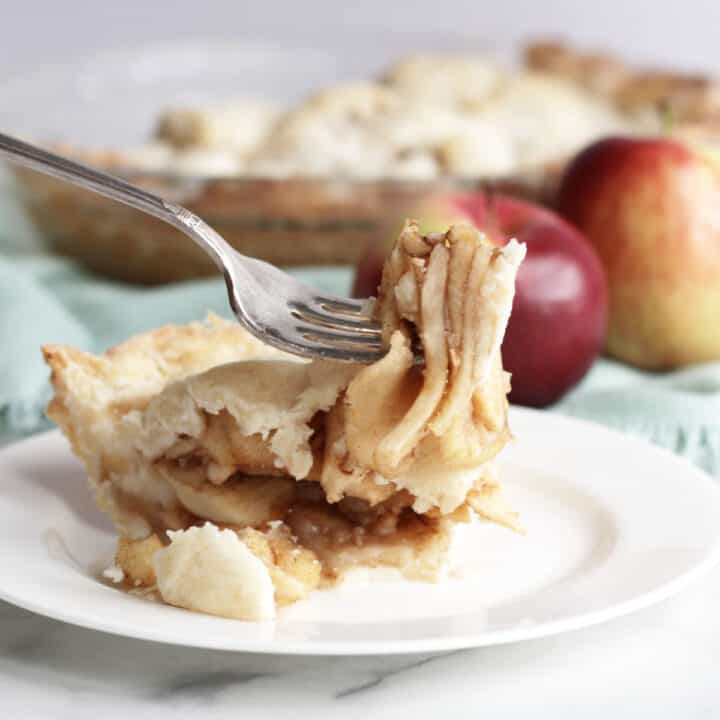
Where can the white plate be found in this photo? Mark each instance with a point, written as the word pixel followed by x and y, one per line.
pixel 614 525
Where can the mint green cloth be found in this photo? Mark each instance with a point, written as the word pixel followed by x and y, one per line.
pixel 46 299
pixel 679 411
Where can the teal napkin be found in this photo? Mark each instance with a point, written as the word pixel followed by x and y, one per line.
pixel 46 299
pixel 678 410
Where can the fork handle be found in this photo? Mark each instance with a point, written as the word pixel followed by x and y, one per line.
pixel 22 153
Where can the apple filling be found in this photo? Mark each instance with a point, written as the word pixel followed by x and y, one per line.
pixel 232 470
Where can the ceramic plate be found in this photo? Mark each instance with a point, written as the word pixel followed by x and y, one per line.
pixel 613 525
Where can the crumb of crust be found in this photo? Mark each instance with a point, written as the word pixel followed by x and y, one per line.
pixel 134 558
pixel 146 593
pixel 489 503
pixel 295 571
pixel 213 571
pixel 114 573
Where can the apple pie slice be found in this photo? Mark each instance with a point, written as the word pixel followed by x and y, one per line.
pixel 241 478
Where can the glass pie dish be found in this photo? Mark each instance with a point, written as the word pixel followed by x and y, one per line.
pixel 298 221
pixel 329 191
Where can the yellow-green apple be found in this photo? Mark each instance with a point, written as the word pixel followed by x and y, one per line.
pixel 558 322
pixel 651 208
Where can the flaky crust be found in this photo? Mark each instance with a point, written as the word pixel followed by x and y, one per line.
pixel 93 393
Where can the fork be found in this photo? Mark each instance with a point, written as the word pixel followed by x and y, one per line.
pixel 269 303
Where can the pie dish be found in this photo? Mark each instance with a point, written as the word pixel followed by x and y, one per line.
pixel 241 478
pixel 315 182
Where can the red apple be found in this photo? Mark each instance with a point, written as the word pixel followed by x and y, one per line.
pixel 559 318
pixel 557 326
pixel 651 208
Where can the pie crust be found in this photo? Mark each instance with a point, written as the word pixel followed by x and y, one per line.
pixel 211 451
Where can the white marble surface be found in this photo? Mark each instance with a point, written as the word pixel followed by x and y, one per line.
pixel 659 663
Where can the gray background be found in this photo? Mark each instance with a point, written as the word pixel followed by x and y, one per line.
pixel 34 31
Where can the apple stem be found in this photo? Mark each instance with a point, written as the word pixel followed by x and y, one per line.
pixel 667 120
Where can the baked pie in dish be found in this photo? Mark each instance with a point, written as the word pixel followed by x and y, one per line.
pixel 312 182
pixel 240 478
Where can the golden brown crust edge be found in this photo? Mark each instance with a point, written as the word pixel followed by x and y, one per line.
pixel 689 98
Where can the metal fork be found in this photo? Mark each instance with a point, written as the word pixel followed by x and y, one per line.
pixel 268 302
